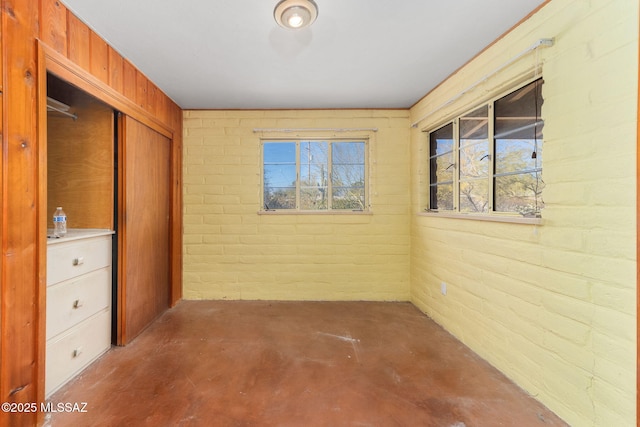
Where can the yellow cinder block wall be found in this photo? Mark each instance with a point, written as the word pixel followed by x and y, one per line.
pixel 554 305
pixel 232 252
pixel 550 305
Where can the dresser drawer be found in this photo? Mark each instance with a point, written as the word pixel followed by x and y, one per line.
pixel 70 352
pixel 70 259
pixel 72 301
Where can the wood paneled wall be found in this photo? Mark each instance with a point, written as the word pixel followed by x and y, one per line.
pixel 80 165
pixel 25 25
pixel 21 288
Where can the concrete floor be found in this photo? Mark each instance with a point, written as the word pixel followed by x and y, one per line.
pixel 227 363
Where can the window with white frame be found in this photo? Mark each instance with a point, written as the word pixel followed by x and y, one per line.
pixel 489 160
pixel 314 175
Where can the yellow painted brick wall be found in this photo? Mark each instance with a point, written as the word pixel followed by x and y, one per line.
pixel 552 305
pixel 232 252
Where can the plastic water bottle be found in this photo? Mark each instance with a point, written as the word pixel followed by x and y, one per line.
pixel 59 223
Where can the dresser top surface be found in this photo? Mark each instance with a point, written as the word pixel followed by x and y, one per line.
pixel 77 234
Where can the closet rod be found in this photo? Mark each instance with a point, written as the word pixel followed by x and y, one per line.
pixel 66 113
pixel 547 42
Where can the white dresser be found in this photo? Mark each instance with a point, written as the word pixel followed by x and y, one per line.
pixel 78 303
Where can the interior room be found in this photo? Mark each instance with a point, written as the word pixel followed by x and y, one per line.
pixel 319 213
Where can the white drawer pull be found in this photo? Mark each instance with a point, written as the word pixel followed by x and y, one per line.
pixel 77 352
pixel 77 304
pixel 78 261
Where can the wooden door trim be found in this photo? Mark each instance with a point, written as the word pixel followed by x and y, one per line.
pixel 41 298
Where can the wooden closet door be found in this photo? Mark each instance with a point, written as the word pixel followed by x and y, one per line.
pixel 145 194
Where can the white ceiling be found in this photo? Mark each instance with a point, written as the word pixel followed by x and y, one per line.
pixel 230 54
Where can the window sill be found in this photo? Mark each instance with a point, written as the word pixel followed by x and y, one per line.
pixel 491 218
pixel 296 212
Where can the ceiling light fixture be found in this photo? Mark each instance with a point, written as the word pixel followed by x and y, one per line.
pixel 295 14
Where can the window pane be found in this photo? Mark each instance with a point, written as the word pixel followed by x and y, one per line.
pixel 348 175
pixel 279 164
pixel 442 197
pixel 279 170
pixel 518 130
pixel 474 144
pixel 441 140
pixel 474 127
pixel 348 198
pixel 313 164
pixel 313 198
pixel 313 175
pixel 517 155
pixel 347 153
pixel 442 168
pixel 279 176
pixel 521 193
pixel 347 163
pixel 517 112
pixel 280 152
pixel 518 151
pixel 280 198
pixel 474 161
pixel 474 196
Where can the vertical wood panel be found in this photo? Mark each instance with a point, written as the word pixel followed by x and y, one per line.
pixel 79 42
pixel 1 56
pixel 163 109
pixel 147 171
pixel 116 70
pixel 2 178
pixel 21 239
pixel 53 27
pixel 152 95
pixel 3 371
pixel 141 90
pixel 99 57
pixel 129 79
